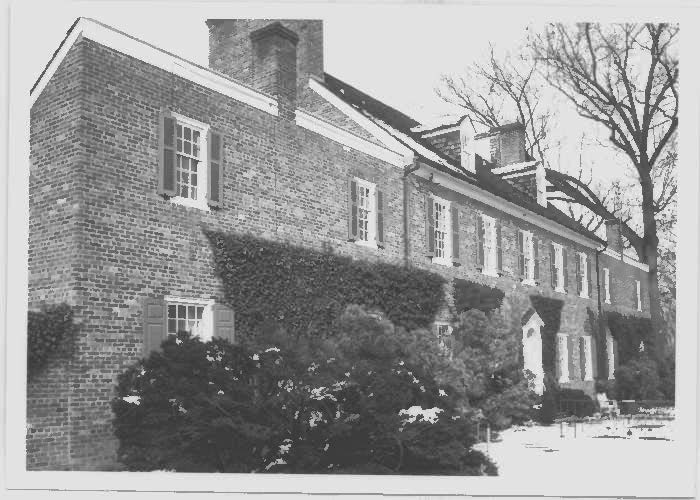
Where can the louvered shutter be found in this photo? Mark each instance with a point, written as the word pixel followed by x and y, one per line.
pixel 352 209
pixel 610 287
pixel 616 357
pixel 380 217
pixel 430 224
pixel 499 247
pixel 634 294
pixel 166 164
pixel 594 356
pixel 536 257
pixel 588 276
pixel 579 276
pixel 565 269
pixel 479 241
pixel 154 325
pixel 572 347
pixel 215 177
pixel 223 322
pixel 521 254
pixel 455 235
pixel 553 265
pixel 582 361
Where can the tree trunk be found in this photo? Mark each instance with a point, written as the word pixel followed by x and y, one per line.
pixel 651 257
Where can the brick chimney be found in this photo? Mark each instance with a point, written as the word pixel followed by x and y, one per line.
pixel 456 141
pixel 273 68
pixel 504 145
pixel 231 50
pixel 613 235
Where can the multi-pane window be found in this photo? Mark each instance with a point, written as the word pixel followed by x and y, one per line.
pixel 606 284
pixel 444 335
pixel 582 277
pixel 527 259
pixel 184 318
pixel 441 218
pixel 558 266
pixel 490 244
pixel 638 295
pixel 364 212
pixel 188 157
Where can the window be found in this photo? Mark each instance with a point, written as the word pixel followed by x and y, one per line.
pixel 444 337
pixel 558 257
pixel 582 275
pixel 366 213
pixel 606 284
pixel 442 231
pixel 191 166
pixel 638 295
pixel 528 262
pixel 490 258
pixel 189 316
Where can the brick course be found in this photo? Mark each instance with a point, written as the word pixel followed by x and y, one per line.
pixel 113 241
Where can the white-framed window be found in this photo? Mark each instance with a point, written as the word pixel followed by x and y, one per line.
pixel 582 275
pixel 527 258
pixel 606 284
pixel 366 213
pixel 638 294
pixel 190 315
pixel 191 149
pixel 490 245
pixel 442 231
pixel 563 357
pixel 610 348
pixel 444 337
pixel 559 268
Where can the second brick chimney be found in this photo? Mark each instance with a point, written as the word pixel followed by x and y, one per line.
pixel 273 67
pixel 613 235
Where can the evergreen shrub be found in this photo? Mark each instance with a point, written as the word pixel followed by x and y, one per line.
pixel 470 295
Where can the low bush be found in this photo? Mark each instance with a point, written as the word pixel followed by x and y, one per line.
pixel 638 379
pixel 370 399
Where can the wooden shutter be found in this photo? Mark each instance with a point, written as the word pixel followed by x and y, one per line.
pixel 583 362
pixel 572 347
pixel 155 321
pixel 536 257
pixel 430 224
pixel 565 269
pixel 521 253
pixel 610 286
pixel 454 214
pixel 634 294
pixel 499 247
pixel 166 153
pixel 380 217
pixel 579 275
pixel 223 322
pixel 479 241
pixel 352 209
pixel 553 265
pixel 594 357
pixel 588 276
pixel 215 177
pixel 616 357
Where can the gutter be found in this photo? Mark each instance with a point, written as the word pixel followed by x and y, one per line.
pixel 409 169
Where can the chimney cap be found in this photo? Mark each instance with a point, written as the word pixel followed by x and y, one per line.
pixel 275 28
pixel 502 128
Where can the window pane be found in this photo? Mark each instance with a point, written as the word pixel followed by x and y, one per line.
pixel 181 312
pixel 185 178
pixel 195 136
pixel 188 148
pixel 193 166
pixel 181 326
pixel 194 179
pixel 179 145
pixel 199 312
pixel 195 151
pixel 172 311
pixel 193 193
pixel 183 191
pixel 179 130
pixel 171 326
pixel 190 312
pixel 188 134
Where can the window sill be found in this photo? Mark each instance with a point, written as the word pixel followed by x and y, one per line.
pixel 188 202
pixel 584 296
pixel 489 272
pixel 442 261
pixel 368 244
pixel 560 290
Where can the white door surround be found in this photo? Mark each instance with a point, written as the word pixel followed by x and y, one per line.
pixel 532 351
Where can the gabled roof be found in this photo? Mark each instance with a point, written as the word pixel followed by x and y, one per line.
pixel 400 126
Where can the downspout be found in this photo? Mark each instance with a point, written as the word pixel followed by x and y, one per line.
pixel 408 169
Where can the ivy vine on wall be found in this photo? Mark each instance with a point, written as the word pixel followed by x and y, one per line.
pixel 469 295
pixel 272 285
pixel 49 331
pixel 629 331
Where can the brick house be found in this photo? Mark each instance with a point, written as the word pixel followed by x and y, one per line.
pixel 134 151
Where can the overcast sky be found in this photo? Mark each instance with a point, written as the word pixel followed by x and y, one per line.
pixel 396 53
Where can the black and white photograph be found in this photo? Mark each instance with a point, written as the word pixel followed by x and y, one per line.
pixel 405 248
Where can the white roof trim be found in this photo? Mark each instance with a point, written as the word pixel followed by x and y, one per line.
pixel 350 140
pixel 505 206
pixel 513 167
pixel 147 53
pixel 534 320
pixel 390 142
pixel 627 259
pixel 440 132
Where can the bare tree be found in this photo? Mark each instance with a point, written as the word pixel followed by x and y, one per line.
pixel 499 91
pixel 625 78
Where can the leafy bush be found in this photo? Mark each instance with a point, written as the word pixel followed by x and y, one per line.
pixel 630 331
pixel 550 312
pixel 560 402
pixel 364 401
pixel 274 284
pixel 469 295
pixel 638 379
pixel 488 354
pixel 49 331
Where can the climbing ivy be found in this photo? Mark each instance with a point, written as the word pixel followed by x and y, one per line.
pixel 48 331
pixel 274 285
pixel 550 312
pixel 469 295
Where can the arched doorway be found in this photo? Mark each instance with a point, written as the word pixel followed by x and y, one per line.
pixel 532 349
